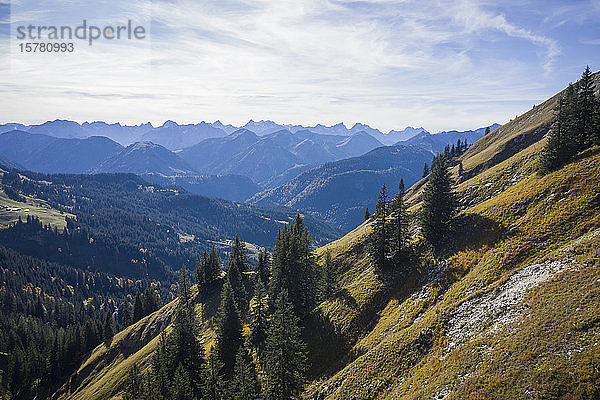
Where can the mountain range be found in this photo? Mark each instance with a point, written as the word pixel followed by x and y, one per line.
pixel 508 309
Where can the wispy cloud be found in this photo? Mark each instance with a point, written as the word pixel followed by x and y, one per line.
pixel 389 63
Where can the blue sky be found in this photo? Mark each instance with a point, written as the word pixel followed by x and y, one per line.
pixel 437 64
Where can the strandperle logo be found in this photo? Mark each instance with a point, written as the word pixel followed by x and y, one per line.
pixel 90 33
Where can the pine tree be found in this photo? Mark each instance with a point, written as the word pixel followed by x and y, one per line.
pixel 109 327
pixel 229 331
pixel 487 130
pixel 127 318
pixel 134 389
pixel 214 380
pixel 185 347
pixel 367 214
pixel 293 267
pixel 244 383
pixel 182 387
pixel 439 204
pixel 162 369
pixel 378 243
pixel 237 265
pixel 285 354
pixel 258 317
pixel 138 308
pixel 425 170
pixel 200 274
pixel 561 147
pixel 263 266
pixel 329 285
pixel 461 170
pixel 585 105
pixel 399 227
pixel 213 267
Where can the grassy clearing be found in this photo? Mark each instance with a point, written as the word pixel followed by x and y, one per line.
pixel 31 207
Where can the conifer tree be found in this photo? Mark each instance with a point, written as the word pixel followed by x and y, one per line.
pixel 425 170
pixel 461 170
pixel 200 274
pixel 162 369
pixel 439 204
pixel 329 285
pixel 214 380
pixel 258 317
pixel 138 308
pixel 127 318
pixel 293 267
pixel 185 347
pixel 378 241
pixel 182 387
pixel 109 327
pixel 229 332
pixel 367 214
pixel 244 383
pixel 399 227
pixel 487 130
pixel 134 390
pixel 237 265
pixel 561 147
pixel 262 266
pixel 585 110
pixel 213 267
pixel 285 353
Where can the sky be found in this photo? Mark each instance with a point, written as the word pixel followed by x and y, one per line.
pixel 390 64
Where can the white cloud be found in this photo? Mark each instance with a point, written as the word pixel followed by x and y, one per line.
pixel 388 63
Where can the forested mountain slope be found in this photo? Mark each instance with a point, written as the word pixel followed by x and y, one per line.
pixel 508 306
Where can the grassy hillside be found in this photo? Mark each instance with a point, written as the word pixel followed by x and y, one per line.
pixel 512 312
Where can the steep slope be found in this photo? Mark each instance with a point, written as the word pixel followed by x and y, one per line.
pixel 438 141
pixel 512 313
pixel 318 190
pixel 144 158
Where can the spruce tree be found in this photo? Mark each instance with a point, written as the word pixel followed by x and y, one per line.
pixel 237 265
pixel 134 389
pixel 487 130
pixel 378 241
pixel 263 266
pixel 258 317
pixel 185 347
pixel 127 318
pixel 425 170
pixel 182 387
pixel 214 380
pixel 329 285
pixel 229 332
pixel 399 227
pixel 244 383
pixel 138 308
pixel 285 353
pixel 200 274
pixel 213 267
pixel 461 170
pixel 293 268
pixel 162 368
pixel 585 110
pixel 109 327
pixel 439 204
pixel 561 147
pixel 367 214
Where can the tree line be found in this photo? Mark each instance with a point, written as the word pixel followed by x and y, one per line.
pixel 265 360
pixel 576 126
